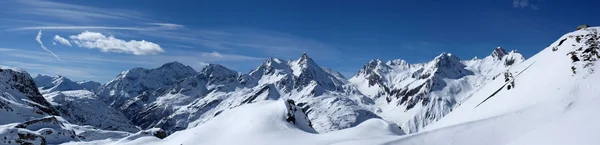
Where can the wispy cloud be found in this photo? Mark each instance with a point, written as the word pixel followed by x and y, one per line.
pixel 266 43
pixel 71 58
pixel 527 4
pixel 38 38
pixel 216 56
pixel 104 43
pixel 71 12
pixel 82 28
pixel 61 40
pixel 167 26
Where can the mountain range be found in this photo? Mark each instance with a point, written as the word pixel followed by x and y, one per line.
pixel 301 98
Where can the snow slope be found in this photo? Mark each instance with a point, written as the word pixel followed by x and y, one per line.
pixel 264 123
pixel 549 104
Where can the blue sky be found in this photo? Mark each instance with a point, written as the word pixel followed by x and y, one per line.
pixel 110 36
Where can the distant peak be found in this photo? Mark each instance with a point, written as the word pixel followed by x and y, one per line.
pixel 375 61
pixel 371 66
pixel 514 51
pixel 304 59
pixel 172 64
pixel 304 56
pixel 397 62
pixel 499 52
pixel 445 55
pixel 217 68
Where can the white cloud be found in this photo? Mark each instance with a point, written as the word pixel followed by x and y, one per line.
pixel 61 40
pixel 38 38
pixel 97 40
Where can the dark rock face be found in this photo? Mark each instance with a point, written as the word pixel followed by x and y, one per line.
pixel 160 134
pixel 47 120
pixel 298 116
pixel 587 51
pixel 499 52
pixel 23 83
pixel 26 138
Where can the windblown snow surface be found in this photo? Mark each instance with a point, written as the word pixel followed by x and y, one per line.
pixel 554 101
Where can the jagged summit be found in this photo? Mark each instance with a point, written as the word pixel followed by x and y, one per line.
pixel 397 62
pixel 447 60
pixel 47 83
pixel 498 53
pixel 305 62
pixel 217 69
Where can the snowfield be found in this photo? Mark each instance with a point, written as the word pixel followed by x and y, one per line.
pixel 548 99
pixel 264 123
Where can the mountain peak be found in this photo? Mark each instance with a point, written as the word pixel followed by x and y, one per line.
pixel 499 52
pixel 397 62
pixel 446 57
pixel 217 69
pixel 48 84
pixel 371 67
pixel 304 59
pixel 173 64
pixel 375 61
pixel 303 64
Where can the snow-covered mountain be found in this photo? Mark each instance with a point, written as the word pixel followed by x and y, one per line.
pixel 175 97
pixel 20 99
pixel 28 118
pixel 48 84
pixel 90 85
pixel 83 107
pixel 552 100
pixel 78 104
pixel 416 95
